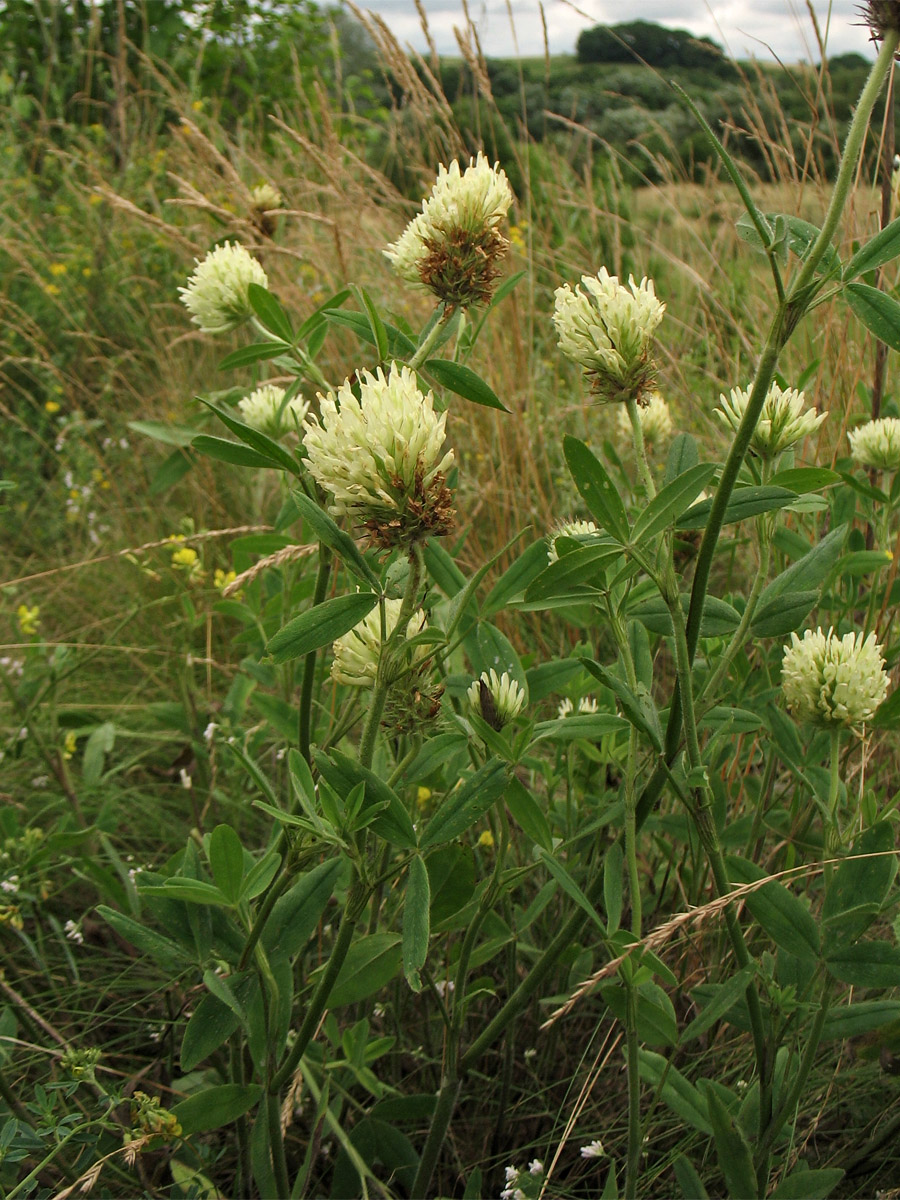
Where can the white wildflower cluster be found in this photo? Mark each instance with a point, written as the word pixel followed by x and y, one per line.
pixel 218 293
pixel 656 422
pixel 14 667
pixel 453 245
pixel 381 457
pixel 783 422
pixel 593 1149
pixel 357 653
pixel 570 529
pixel 73 933
pixel 587 707
pixel 833 681
pixel 607 329
pixel 495 698
pixel 267 410
pixel 10 885
pixel 877 444
pixel 518 1184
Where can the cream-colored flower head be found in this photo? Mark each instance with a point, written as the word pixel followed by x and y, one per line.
pixel 783 422
pixel 217 295
pixel 877 444
pixel 266 410
pixel 587 707
pixel 453 245
pixel 569 529
pixel 496 699
pixel 830 680
pixel 264 197
pixel 656 422
pixel 357 653
pixel 381 457
pixel 608 330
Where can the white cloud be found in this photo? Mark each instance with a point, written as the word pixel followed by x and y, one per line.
pixel 782 27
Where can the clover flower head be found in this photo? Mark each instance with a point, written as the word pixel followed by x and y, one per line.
pixel 267 410
pixel 217 295
pixel 656 422
pixel 783 422
pixel 495 698
pixel 833 681
pixel 607 329
pixel 587 706
pixel 264 197
pixel 381 457
pixel 877 444
pixel 357 653
pixel 571 529
pixel 453 245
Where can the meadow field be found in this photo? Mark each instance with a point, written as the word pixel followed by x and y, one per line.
pixel 516 823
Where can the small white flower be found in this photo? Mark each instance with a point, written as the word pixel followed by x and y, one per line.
pixel 445 987
pixel 497 699
pixel 593 1149
pixel 511 1173
pixel 356 654
pixel 267 410
pixel 530 1053
pixel 10 885
pixel 73 933
pixel 783 422
pixel 579 530
pixel 186 780
pixel 830 680
pixel 656 422
pixel 264 197
pixel 40 782
pixel 452 246
pixel 381 457
pixel 877 444
pixel 209 732
pixel 566 708
pixel 587 705
pixel 217 295
pixel 535 1167
pixel 608 330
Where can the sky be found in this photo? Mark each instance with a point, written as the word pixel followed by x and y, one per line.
pixel 747 28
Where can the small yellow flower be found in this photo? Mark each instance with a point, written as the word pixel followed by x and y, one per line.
pixel 10 915
pixel 70 745
pixel 197 105
pixel 58 268
pixel 423 795
pixel 94 200
pixel 86 272
pixel 221 579
pixel 51 289
pixel 184 557
pixel 105 485
pixel 74 494
pixel 486 840
pixel 52 406
pixel 28 619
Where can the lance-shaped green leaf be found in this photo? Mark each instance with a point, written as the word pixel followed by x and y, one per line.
pixel 806 1184
pixel 465 805
pixel 783 614
pixel 270 313
pixel 235 453
pixel 878 312
pixel 805 479
pixel 798 235
pixel 393 822
pixel 683 454
pixel 809 571
pixel 527 813
pixel 334 538
pixel 640 710
pixel 371 962
pixel 416 922
pixel 720 619
pixel 320 626
pixel 214 1107
pixel 873 964
pixel 745 502
pixel 169 435
pixel 671 502
pixel 597 489
pixel 516 578
pixel 399 345
pixel 784 917
pixel 316 319
pixel 269 449
pixel 376 324
pixel 676 1090
pixel 258 352
pixel 732 1150
pixel 226 859
pixel 725 998
pixel 880 249
pixel 579 567
pixel 458 378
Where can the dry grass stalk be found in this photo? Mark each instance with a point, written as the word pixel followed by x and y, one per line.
pixel 278 559
pixel 84 1183
pixel 659 936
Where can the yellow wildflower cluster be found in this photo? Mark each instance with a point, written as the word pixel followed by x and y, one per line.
pixel 28 619
pixel 149 1117
pixel 70 745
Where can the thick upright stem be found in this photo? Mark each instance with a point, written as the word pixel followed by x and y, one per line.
pixel 309 663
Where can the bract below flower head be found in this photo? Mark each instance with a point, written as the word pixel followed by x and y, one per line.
pixel 266 410
pixel 217 295
pixel 496 698
pixel 608 330
pixel 833 681
pixel 381 458
pixel 357 653
pixel 656 422
pixel 783 422
pixel 877 444
pixel 453 245
pixel 577 530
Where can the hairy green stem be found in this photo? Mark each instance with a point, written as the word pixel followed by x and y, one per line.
pixel 640 450
pixel 740 634
pixel 309 663
pixel 423 350
pixel 635 1133
pixel 832 839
